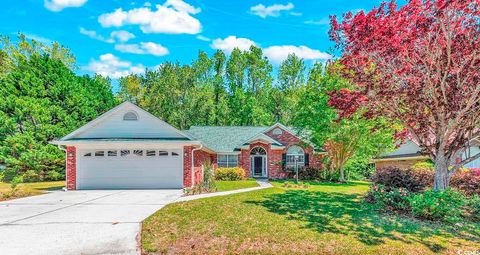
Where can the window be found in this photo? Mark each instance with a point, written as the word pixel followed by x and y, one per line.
pixel 162 153
pixel 150 153
pixel 174 154
pixel 138 152
pixel 258 151
pixel 124 153
pixel 89 154
pixel 99 153
pixel 227 160
pixel 112 153
pixel 295 154
pixel 277 131
pixel 130 116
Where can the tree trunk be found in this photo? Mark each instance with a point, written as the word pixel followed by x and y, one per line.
pixel 441 180
pixel 342 175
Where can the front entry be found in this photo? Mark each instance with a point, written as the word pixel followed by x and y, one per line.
pixel 258 162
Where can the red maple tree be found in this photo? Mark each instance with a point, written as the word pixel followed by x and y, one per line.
pixel 418 64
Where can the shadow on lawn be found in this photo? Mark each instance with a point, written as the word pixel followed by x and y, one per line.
pixel 347 214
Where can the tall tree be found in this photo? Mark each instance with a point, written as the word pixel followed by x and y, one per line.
pixel 419 65
pixel 356 136
pixel 42 99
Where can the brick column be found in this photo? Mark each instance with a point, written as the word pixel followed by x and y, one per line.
pixel 187 166
pixel 71 168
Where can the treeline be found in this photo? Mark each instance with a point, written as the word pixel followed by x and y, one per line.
pixel 240 89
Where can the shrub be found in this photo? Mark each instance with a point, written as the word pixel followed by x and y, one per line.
pixel 438 205
pixel 473 207
pixel 424 165
pixel 30 176
pixel 388 199
pixel 359 169
pixel 54 176
pixel 309 173
pixel 392 177
pixel 467 181
pixel 230 174
pixel 208 182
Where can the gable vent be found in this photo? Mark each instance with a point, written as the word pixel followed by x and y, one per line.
pixel 130 116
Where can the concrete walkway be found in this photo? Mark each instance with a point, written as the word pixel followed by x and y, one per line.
pixel 263 184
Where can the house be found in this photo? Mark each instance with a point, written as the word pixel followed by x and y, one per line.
pixel 409 153
pixel 129 148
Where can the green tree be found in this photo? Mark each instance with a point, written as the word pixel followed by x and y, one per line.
pixel 42 99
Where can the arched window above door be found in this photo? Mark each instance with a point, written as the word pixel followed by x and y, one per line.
pixel 258 151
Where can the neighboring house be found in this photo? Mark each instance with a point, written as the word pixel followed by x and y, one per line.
pixel 128 147
pixel 409 153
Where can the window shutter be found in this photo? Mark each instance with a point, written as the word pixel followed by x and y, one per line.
pixel 307 160
pixel 284 160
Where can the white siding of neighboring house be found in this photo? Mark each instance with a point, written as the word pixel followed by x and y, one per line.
pixel 475 163
pixel 147 126
pixel 408 147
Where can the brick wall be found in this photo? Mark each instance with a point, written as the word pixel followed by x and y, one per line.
pixel 288 139
pixel 200 157
pixel 71 168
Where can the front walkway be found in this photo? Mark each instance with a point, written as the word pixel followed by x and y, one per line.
pixel 263 184
pixel 78 222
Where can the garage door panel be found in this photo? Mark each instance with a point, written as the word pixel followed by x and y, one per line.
pixel 130 171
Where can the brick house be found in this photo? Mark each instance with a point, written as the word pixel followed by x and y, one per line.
pixel 128 147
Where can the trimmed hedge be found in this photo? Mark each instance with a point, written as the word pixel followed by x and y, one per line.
pixel 230 174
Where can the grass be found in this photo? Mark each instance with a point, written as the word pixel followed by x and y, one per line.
pixel 233 185
pixel 28 189
pixel 323 219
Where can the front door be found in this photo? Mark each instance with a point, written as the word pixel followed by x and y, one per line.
pixel 258 166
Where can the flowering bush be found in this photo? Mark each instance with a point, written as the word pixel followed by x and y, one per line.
pixel 444 205
pixel 392 177
pixel 230 174
pixel 387 198
pixel 467 181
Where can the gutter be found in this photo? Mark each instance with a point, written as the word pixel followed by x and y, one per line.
pixel 399 158
pixel 193 161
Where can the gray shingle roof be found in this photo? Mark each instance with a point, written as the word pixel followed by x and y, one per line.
pixel 224 138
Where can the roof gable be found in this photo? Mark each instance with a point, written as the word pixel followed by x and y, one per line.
pixel 112 125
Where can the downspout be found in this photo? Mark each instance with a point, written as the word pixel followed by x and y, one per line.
pixel 193 161
pixel 66 170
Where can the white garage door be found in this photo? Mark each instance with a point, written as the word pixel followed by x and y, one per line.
pixel 130 169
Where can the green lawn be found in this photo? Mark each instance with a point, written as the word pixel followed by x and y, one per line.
pixel 28 189
pixel 233 185
pixel 323 219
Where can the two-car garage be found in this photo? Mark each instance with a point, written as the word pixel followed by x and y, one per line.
pixel 129 168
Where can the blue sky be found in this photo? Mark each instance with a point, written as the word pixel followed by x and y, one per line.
pixel 117 37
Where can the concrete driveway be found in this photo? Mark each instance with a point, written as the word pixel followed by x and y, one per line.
pixel 78 222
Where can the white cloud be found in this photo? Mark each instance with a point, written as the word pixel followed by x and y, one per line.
pixel 231 42
pixel 38 38
pixel 203 38
pixel 271 10
pixel 143 48
pixel 58 5
pixel 122 35
pixel 94 35
pixel 173 17
pixel 323 21
pixel 279 53
pixel 113 67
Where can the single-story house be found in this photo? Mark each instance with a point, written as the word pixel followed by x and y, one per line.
pixel 409 153
pixel 129 148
